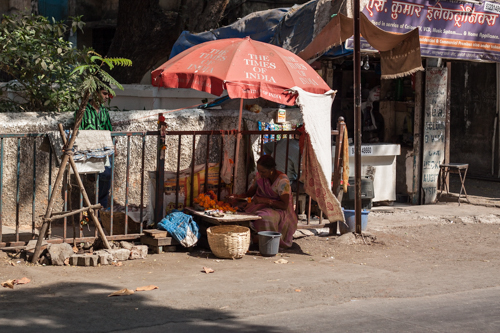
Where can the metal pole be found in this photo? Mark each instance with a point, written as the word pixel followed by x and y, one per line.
pixel 417 138
pixel 357 118
pixel 1 188
pixel 127 184
pixel 447 135
pixel 142 177
pixel 160 170
pixel 498 119
pixel 18 191
pixel 237 149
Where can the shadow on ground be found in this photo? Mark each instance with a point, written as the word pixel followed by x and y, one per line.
pixel 476 187
pixel 198 252
pixel 86 307
pixel 479 191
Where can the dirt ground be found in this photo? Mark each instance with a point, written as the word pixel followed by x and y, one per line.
pixel 408 251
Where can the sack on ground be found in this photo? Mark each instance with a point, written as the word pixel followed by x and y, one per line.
pixel 182 227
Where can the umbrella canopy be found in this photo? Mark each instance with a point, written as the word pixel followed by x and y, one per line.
pixel 246 68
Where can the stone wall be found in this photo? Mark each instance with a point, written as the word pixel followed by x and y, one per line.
pixel 37 171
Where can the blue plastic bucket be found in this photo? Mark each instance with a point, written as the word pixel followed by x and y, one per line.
pixel 269 243
pixel 350 220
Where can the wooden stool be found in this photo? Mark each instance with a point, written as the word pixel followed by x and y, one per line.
pixel 446 169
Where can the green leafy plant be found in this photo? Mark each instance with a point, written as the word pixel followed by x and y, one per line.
pixel 40 63
pixel 95 77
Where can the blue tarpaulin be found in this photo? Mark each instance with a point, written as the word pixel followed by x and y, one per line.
pixel 291 28
pixel 259 26
pixel 182 227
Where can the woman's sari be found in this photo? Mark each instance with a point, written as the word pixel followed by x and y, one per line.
pixel 282 221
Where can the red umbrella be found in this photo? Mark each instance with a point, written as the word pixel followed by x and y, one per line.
pixel 246 68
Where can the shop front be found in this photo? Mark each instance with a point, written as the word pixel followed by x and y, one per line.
pixel 432 115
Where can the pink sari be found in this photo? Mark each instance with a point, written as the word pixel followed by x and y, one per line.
pixel 283 221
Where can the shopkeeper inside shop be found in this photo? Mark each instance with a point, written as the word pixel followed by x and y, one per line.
pixel 271 199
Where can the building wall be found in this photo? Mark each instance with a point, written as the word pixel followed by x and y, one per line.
pixel 473 108
pixel 147 97
pixel 10 6
pixel 97 10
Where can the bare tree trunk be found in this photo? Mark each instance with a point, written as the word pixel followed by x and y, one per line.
pixel 145 33
pixel 203 15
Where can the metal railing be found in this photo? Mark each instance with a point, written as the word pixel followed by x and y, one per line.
pixel 38 176
pixel 28 165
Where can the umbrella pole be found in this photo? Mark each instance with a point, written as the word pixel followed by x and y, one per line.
pixel 237 151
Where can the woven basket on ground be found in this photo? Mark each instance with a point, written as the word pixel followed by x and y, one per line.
pixel 228 241
pixel 118 223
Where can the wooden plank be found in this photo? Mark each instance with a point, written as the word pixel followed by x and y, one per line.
pixel 59 215
pixel 77 240
pixel 313 226
pixel 171 248
pixel 158 241
pixel 155 233
pixel 228 218
pixel 161 249
pixel 17 243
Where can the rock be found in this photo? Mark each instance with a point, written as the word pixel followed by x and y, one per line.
pixel 126 245
pixel 59 252
pixel 29 255
pixel 73 260
pixel 488 219
pixel 346 239
pixel 369 236
pixel 87 245
pixel 105 258
pixel 139 252
pixel 299 233
pixel 32 244
pixel 84 260
pixel 120 254
pixel 44 261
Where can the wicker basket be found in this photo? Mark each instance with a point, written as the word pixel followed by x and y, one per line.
pixel 228 241
pixel 118 223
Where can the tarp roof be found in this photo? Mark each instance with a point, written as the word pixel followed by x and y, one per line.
pixel 289 28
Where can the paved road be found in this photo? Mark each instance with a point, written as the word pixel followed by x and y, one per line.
pixel 472 311
pixel 255 295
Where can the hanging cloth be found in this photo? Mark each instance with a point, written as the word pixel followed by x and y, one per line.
pixel 399 53
pixel 345 160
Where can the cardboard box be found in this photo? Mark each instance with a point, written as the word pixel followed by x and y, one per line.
pixel 281 116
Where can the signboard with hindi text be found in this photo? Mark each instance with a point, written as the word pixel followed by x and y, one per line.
pixel 434 130
pixel 448 29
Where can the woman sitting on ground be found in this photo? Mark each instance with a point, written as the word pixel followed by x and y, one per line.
pixel 272 200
